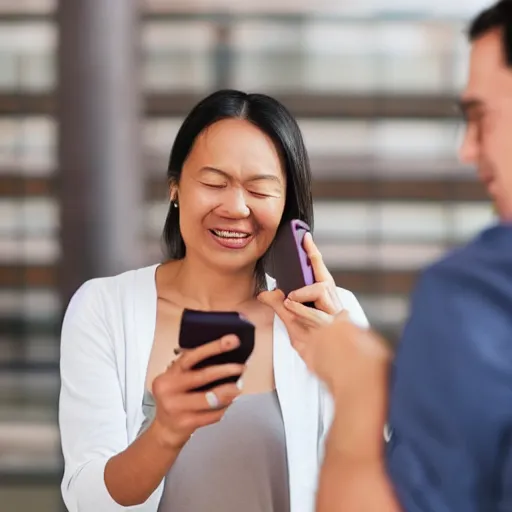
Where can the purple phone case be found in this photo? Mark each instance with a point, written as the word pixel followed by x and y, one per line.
pixel 291 266
pixel 200 327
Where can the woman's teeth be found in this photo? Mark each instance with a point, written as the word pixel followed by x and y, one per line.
pixel 229 234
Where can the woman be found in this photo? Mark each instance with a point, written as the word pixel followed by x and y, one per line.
pixel 238 169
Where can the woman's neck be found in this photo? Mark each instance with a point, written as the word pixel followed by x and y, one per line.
pixel 205 288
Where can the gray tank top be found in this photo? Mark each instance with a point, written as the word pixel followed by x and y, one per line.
pixel 238 464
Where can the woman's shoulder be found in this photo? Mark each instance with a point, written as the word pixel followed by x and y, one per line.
pixel 351 304
pixel 111 293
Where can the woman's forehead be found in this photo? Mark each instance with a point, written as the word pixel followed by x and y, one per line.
pixel 235 144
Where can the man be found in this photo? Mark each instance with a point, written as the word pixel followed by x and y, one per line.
pixel 448 442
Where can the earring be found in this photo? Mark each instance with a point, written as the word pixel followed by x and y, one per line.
pixel 175 204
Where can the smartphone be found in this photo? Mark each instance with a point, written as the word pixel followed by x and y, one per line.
pixel 291 266
pixel 200 327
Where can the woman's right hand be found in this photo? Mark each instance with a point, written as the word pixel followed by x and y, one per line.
pixel 179 410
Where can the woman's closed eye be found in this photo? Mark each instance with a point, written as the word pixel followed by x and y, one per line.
pixel 264 195
pixel 215 185
pixel 256 193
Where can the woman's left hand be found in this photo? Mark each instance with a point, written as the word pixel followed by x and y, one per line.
pixel 298 318
pixel 322 292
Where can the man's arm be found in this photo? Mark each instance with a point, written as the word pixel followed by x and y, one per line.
pixel 353 476
pixel 450 421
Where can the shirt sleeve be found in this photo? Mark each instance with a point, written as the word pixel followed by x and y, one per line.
pixel 450 424
pixel 92 417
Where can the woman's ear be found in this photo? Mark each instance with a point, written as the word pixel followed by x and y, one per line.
pixel 173 192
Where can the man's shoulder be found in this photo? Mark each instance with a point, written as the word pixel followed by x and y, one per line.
pixel 485 259
pixel 463 298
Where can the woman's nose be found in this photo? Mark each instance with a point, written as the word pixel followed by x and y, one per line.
pixel 235 205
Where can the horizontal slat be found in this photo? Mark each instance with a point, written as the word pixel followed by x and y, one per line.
pixel 12 185
pixel 17 327
pixel 29 445
pixel 343 188
pixel 305 105
pixel 327 105
pixel 425 190
pixel 440 190
pixel 26 17
pixel 26 276
pixel 22 366
pixel 282 12
pixel 394 282
pixel 34 386
pixel 360 281
pixel 27 104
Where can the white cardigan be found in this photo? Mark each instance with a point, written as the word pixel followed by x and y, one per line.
pixel 107 335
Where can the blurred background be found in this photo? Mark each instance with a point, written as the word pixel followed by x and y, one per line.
pixel 91 95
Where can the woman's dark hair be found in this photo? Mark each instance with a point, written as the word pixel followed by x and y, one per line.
pixel 273 119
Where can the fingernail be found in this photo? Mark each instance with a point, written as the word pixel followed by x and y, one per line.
pixel 240 383
pixel 287 301
pixel 230 341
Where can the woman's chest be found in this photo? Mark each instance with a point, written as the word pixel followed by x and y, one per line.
pixel 259 374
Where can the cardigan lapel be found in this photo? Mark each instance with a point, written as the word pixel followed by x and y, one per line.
pixel 298 394
pixel 141 338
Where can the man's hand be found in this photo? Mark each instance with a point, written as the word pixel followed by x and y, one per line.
pixel 350 360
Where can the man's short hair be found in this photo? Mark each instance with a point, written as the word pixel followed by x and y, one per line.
pixel 498 16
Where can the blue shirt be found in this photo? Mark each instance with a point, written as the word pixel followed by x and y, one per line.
pixel 450 418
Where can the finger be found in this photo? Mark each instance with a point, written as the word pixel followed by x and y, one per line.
pixel 202 419
pixel 196 401
pixel 309 316
pixel 317 262
pixel 342 316
pixel 310 293
pixel 198 378
pixel 319 294
pixel 191 357
pixel 275 299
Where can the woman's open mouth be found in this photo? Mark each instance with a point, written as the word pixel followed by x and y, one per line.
pixel 231 239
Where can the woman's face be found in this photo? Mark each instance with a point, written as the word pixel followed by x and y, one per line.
pixel 231 195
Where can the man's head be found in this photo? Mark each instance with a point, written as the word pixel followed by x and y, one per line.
pixel 487 104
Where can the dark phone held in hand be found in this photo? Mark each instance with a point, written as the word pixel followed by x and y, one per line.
pixel 201 327
pixel 292 269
